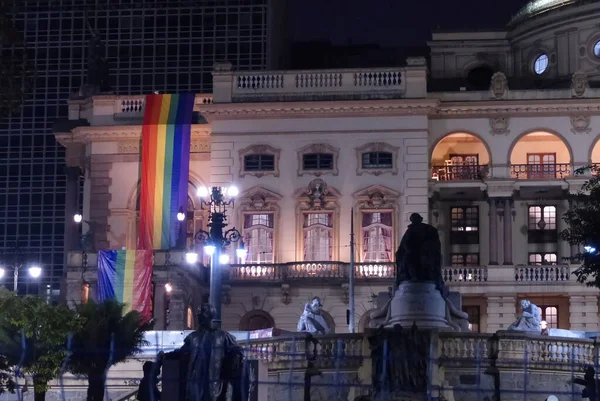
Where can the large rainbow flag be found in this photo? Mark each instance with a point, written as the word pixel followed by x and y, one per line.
pixel 127 277
pixel 165 168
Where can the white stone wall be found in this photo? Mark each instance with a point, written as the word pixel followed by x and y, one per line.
pixel 409 134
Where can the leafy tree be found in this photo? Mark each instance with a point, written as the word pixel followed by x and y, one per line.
pixel 107 337
pixel 45 327
pixel 6 376
pixel 15 76
pixel 584 228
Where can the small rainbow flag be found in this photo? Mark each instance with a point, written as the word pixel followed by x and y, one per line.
pixel 165 168
pixel 127 277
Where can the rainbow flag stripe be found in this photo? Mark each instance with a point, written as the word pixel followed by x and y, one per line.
pixel 165 168
pixel 127 277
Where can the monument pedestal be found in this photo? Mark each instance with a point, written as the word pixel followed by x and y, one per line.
pixel 420 303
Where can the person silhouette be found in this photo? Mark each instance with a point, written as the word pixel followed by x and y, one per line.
pixel 148 389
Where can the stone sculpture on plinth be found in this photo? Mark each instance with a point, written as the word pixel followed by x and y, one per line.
pixel 311 321
pixel 530 319
pixel 421 296
pixel 211 362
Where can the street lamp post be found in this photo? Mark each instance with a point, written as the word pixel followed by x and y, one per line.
pixel 34 270
pixel 216 239
pixel 87 240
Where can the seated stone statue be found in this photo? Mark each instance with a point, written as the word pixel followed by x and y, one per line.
pixel 311 320
pixel 419 259
pixel 530 319
pixel 419 256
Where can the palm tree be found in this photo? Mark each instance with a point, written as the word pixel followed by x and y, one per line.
pixel 107 338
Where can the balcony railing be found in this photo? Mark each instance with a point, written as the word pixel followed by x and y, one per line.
pixel 555 171
pixel 310 270
pixel 464 274
pixel 327 271
pixel 459 173
pixel 136 104
pixel 543 273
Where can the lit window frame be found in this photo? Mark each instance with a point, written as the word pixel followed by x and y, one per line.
pixel 319 148
pixel 540 59
pixel 377 147
pixel 259 150
pixel 259 200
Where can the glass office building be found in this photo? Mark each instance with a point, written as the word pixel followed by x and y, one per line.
pixel 166 46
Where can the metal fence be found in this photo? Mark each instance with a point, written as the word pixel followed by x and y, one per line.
pixel 394 365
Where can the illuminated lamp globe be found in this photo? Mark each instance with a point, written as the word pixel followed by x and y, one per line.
pixel 168 288
pixel 1 272
pixel 35 271
pixel 78 218
pixel 209 249
pixel 191 257
pixel 223 259
pixel 180 216
pixel 233 191
pixel 202 192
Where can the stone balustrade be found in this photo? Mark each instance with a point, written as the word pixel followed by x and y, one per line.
pixel 117 110
pixel 350 84
pixel 383 272
pixel 467 366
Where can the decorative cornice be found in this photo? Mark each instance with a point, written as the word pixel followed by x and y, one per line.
pixel 116 133
pixel 231 111
pixel 519 108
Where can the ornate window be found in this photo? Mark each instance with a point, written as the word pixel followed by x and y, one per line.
pixel 539 259
pixel 377 158
pixel 377 237
pixel 317 160
pixel 85 293
pixel 318 214
pixel 256 320
pixel 549 315
pixel 259 214
pixel 318 236
pixel 464 225
pixel 540 64
pixel 259 160
pixel 542 225
pixel 377 206
pixel 189 321
pixel 258 237
pixel 464 259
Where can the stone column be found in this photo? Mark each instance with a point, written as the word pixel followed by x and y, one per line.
pixel 501 312
pixel 583 313
pixel 507 232
pixel 493 227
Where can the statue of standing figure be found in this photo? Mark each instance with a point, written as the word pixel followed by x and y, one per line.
pixel 311 320
pixel 530 319
pixel 214 360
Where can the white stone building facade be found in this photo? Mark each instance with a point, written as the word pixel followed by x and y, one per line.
pixel 491 169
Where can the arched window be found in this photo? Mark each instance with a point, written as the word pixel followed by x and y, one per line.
pixel 256 320
pixel 189 321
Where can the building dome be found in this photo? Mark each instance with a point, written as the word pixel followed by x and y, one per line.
pixel 537 7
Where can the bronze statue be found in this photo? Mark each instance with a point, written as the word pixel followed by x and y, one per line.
pixel 419 256
pixel 214 360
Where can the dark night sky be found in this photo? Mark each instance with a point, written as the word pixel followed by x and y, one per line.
pixel 395 22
